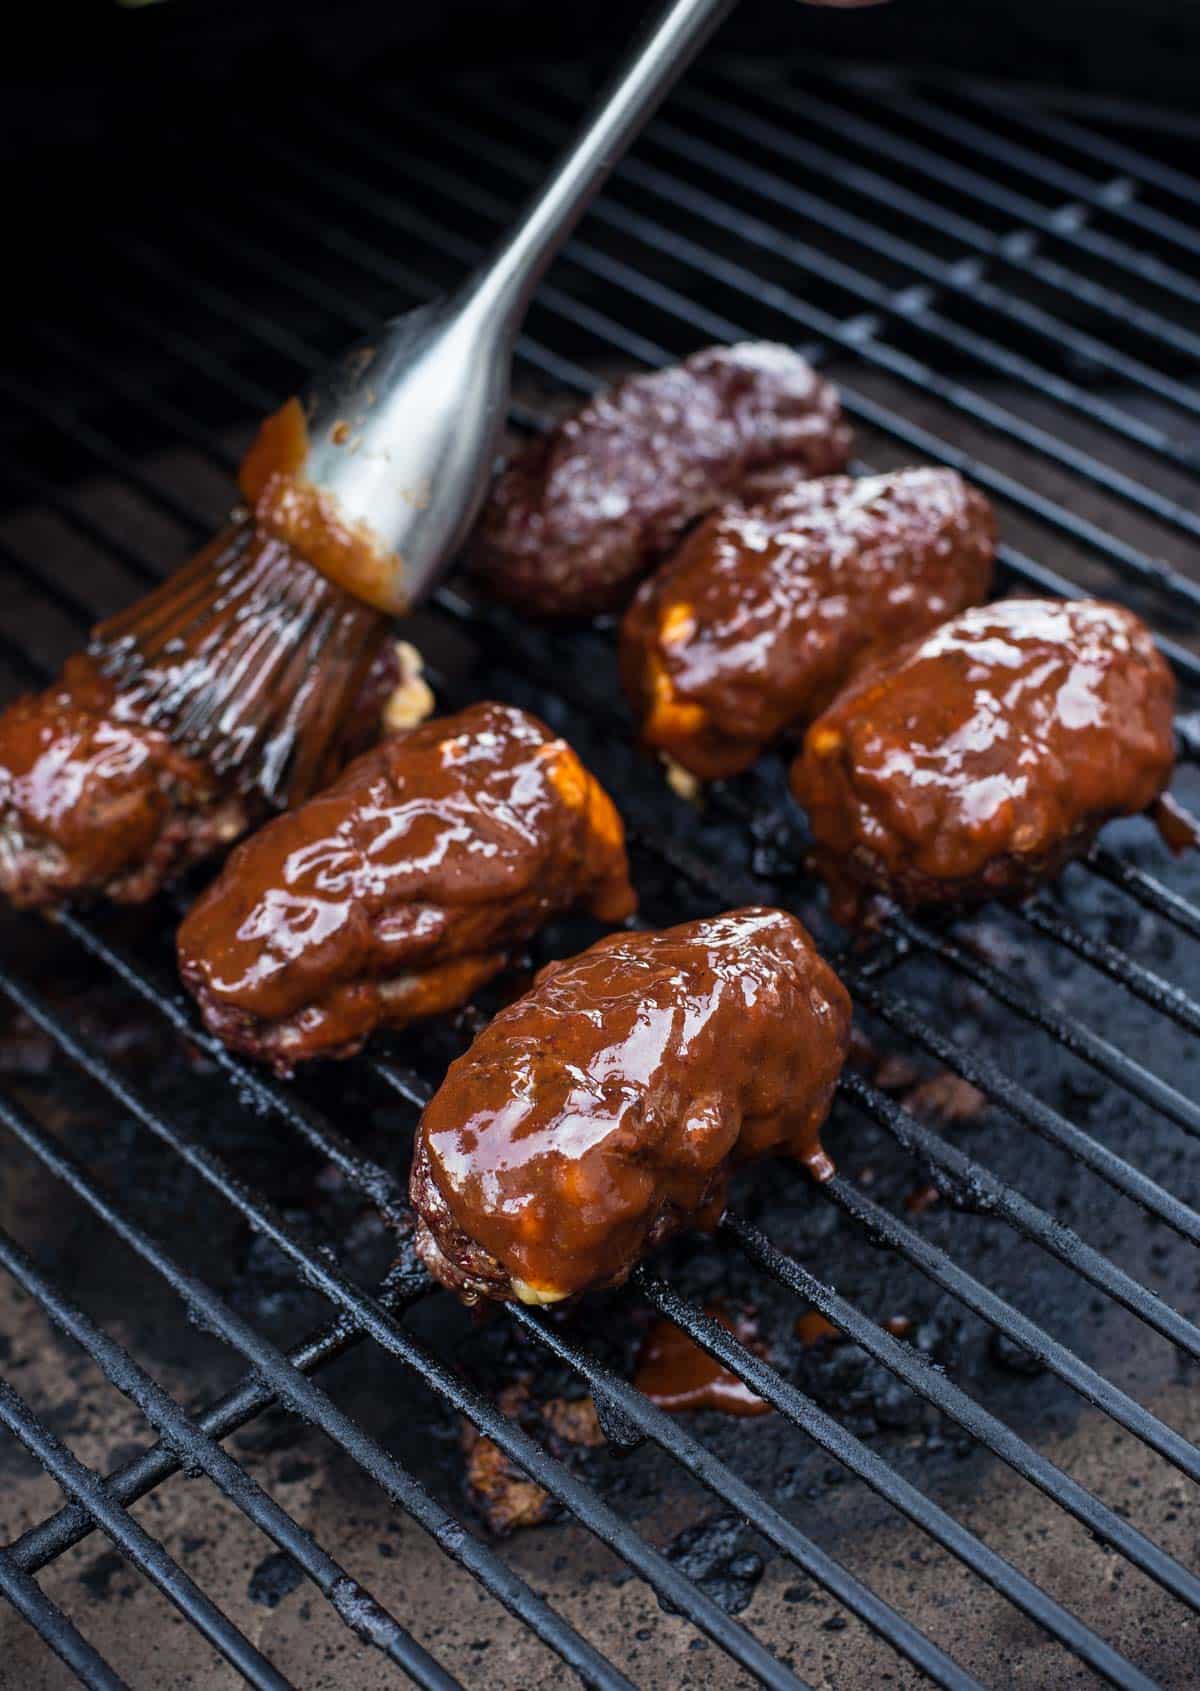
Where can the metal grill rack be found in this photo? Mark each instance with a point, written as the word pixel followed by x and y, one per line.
pixel 995 286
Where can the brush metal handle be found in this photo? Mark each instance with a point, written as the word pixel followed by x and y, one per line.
pixel 403 433
pixel 627 103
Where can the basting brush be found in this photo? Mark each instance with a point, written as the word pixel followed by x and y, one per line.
pixel 247 657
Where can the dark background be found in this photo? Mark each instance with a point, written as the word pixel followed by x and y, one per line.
pixel 78 63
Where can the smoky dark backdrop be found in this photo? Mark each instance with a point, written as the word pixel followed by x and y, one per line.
pixel 65 64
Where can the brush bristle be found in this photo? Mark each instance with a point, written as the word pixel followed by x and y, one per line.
pixel 249 659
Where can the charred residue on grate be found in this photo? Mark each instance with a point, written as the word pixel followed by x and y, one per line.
pixel 220 317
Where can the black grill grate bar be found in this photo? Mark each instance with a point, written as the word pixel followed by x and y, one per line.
pixel 1014 252
pixel 1147 890
pixel 1038 166
pixel 1163 996
pixel 897 303
pixel 966 274
pixel 1061 1026
pixel 180 422
pixel 1015 563
pixel 384 1190
pixel 195 355
pixel 135 1543
pixel 370 1178
pixel 1131 161
pixel 100 447
pixel 663 1577
pixel 1123 557
pixel 1070 230
pixel 202 1160
pixel 1081 1041
pixel 703 1330
pixel 305 1398
pixel 60 1633
pixel 94 1066
pixel 21 661
pixel 856 1597
pixel 1021 1104
pixel 636 1408
pixel 1169 122
pixel 146 257
pixel 958 278
pixel 42 1543
pixel 888 1232
pixel 660 361
pixel 930 1383
pixel 195 1447
pixel 62 598
pixel 67 505
pixel 572 376
pixel 976 1188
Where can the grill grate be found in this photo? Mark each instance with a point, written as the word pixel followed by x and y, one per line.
pixel 950 226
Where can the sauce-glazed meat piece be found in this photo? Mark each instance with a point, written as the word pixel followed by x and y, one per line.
pixel 580 514
pixel 94 803
pixel 977 761
pixel 764 612
pixel 602 1112
pixel 401 888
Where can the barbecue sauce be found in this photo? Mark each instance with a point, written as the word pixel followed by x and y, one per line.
pixel 93 800
pixel 677 1375
pixel 812 1328
pixel 766 610
pixel 396 892
pixel 1178 829
pixel 602 1112
pixel 286 504
pixel 976 761
pixel 584 511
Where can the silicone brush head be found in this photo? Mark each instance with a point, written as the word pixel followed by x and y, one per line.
pixel 248 658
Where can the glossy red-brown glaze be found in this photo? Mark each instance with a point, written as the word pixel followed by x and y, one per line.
pixel 402 887
pixel 765 611
pixel 580 514
pixel 287 505
pixel 1178 829
pixel 978 760
pixel 676 1375
pixel 93 801
pixel 603 1111
pixel 813 1329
